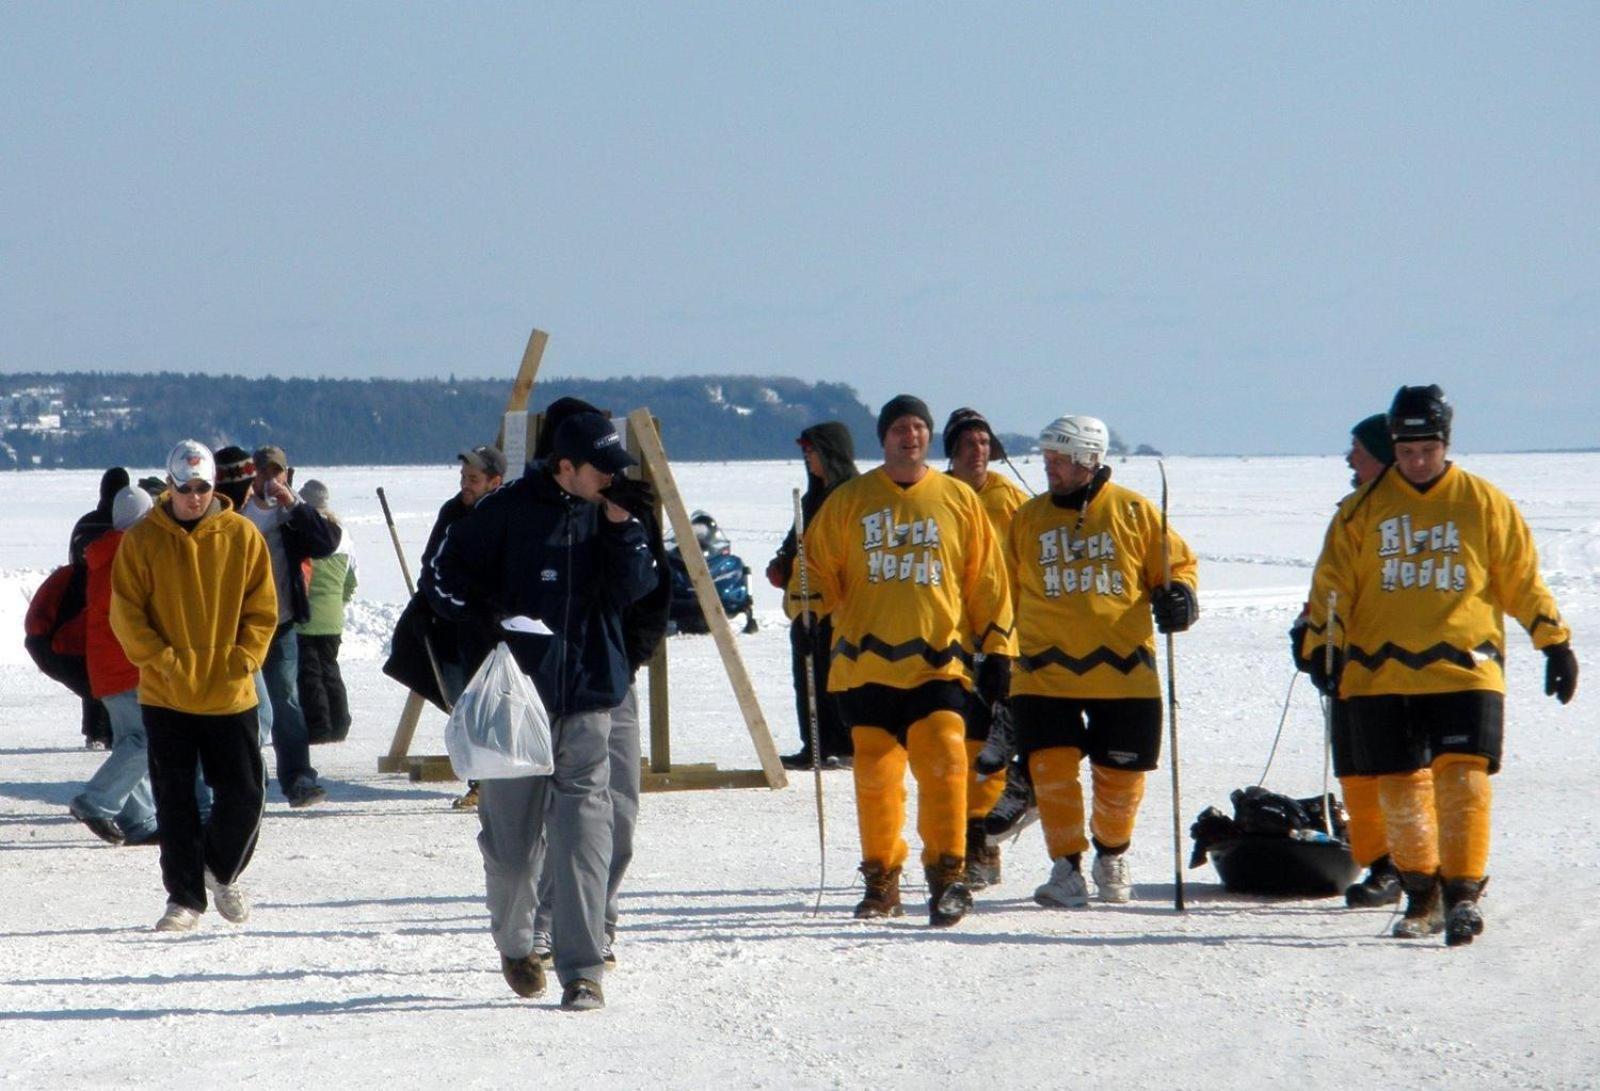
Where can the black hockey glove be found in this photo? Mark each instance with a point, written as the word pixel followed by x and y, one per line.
pixel 994 679
pixel 1327 682
pixel 1175 607
pixel 637 498
pixel 1297 644
pixel 1560 672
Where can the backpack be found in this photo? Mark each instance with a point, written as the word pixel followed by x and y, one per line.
pixel 55 627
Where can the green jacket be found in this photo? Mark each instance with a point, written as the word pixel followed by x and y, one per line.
pixel 333 583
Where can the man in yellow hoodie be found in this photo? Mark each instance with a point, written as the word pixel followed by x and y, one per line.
pixel 1417 572
pixel 193 604
pixel 904 561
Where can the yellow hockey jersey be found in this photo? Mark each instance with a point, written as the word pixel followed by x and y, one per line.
pixel 1422 583
pixel 1001 497
pixel 1084 627
pixel 912 579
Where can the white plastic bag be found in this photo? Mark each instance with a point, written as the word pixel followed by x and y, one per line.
pixel 499 728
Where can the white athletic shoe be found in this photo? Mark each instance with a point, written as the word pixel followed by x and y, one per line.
pixel 1112 880
pixel 177 918
pixel 1066 888
pixel 230 899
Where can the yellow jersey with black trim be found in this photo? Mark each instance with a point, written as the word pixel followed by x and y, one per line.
pixel 912 579
pixel 1001 497
pixel 1421 583
pixel 1083 583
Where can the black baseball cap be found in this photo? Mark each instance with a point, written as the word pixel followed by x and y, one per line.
pixel 589 437
pixel 485 458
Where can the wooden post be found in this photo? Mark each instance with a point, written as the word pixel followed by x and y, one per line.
pixel 522 388
pixel 654 457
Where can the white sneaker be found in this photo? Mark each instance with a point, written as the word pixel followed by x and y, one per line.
pixel 177 918
pixel 1112 880
pixel 230 899
pixel 1066 888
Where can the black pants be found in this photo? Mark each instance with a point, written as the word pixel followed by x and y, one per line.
pixel 228 747
pixel 322 695
pixel 832 731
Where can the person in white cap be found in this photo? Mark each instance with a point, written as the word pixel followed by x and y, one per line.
pixel 194 607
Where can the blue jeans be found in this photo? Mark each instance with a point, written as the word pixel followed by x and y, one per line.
pixel 289 737
pixel 120 789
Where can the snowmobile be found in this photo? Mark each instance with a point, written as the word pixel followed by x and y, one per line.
pixel 728 572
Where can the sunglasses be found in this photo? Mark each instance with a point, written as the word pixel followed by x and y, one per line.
pixel 193 488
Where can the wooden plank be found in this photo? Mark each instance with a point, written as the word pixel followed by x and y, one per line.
pixel 431 767
pixel 522 388
pixel 683 780
pixel 394 760
pixel 655 459
pixel 660 722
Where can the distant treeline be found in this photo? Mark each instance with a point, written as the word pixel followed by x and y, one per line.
pixel 333 422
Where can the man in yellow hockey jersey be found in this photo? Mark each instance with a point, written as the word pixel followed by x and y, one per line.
pixel 905 564
pixel 1416 574
pixel 1086 561
pixel 970 444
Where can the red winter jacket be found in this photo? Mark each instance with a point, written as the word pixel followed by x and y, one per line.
pixel 109 669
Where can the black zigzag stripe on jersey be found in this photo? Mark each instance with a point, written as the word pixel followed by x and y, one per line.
pixel 993 628
pixel 1440 652
pixel 1544 619
pixel 1102 655
pixel 896 652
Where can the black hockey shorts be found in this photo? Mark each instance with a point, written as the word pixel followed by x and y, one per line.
pixel 895 710
pixel 1401 733
pixel 1121 732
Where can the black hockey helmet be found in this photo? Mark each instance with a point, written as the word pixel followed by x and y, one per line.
pixel 1420 412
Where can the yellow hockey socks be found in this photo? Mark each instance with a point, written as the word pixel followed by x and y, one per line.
pixel 1060 796
pixel 1117 795
pixel 1409 821
pixel 939 762
pixel 1368 841
pixel 1461 789
pixel 880 775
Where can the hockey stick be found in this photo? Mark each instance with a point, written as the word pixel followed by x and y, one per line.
pixel 815 732
pixel 411 588
pixel 1327 716
pixel 1172 709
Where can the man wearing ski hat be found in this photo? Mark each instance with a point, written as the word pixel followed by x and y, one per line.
pixel 1087 560
pixel 194 608
pixel 553 552
pixel 235 472
pixel 1371 453
pixel 970 444
pixel 295 533
pixel 904 562
pixel 1416 575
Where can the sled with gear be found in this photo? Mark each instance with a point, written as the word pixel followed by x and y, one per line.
pixel 729 574
pixel 1276 845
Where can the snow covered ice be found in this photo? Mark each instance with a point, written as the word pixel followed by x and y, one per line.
pixel 367 960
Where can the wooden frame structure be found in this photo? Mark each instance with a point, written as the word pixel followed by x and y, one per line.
pixel 659 772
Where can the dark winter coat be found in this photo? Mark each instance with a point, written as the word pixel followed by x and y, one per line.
pixel 419 629
pixel 838 454
pixel 531 549
pixel 307 536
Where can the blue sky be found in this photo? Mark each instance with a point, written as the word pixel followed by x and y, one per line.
pixel 1221 228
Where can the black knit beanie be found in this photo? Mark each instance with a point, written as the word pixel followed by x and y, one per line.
pixel 902 405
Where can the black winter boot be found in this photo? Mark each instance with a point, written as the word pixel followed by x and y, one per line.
pixel 1463 918
pixel 948 897
pixel 1380 887
pixel 1424 915
pixel 983 859
pixel 883 892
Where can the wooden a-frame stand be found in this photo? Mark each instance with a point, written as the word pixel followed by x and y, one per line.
pixel 659 773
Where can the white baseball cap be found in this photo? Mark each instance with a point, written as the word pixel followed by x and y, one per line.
pixel 191 461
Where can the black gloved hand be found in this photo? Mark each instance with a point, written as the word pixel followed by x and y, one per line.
pixel 1327 682
pixel 1560 672
pixel 994 679
pixel 1175 607
pixel 1297 644
pixel 635 497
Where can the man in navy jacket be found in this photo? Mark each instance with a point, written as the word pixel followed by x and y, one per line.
pixel 557 562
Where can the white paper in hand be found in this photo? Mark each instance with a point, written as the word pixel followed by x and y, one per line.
pixel 499 728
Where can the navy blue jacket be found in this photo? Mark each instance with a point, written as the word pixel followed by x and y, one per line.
pixel 531 549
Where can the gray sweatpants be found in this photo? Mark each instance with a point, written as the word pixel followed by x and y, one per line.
pixel 624 754
pixel 513 813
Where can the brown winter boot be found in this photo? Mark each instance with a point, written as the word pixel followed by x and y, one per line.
pixel 883 892
pixel 948 896
pixel 1424 915
pixel 983 859
pixel 1463 918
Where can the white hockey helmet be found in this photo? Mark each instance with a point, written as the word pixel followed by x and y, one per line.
pixel 1082 439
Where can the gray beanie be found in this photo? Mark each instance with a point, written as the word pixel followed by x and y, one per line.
pixel 129 506
pixel 315 493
